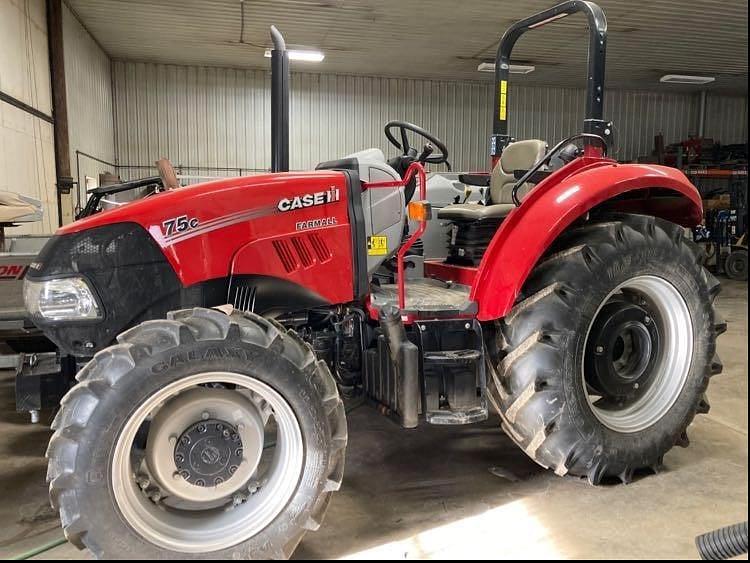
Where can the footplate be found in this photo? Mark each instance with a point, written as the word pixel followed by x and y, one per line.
pixel 453 387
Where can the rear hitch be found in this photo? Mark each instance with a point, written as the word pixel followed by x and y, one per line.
pixel 405 356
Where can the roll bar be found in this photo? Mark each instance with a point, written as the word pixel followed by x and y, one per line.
pixel 279 103
pixel 593 121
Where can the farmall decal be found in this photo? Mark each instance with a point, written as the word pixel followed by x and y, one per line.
pixel 309 200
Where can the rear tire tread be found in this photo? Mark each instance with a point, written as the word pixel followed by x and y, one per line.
pixel 527 337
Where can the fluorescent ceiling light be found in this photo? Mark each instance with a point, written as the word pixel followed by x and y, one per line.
pixel 301 55
pixel 514 69
pixel 686 79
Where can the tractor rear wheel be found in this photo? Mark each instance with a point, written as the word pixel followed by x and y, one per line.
pixel 606 356
pixel 201 436
pixel 736 265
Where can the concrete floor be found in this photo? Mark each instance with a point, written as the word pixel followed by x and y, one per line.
pixel 469 492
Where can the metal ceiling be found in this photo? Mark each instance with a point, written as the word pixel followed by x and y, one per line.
pixel 442 39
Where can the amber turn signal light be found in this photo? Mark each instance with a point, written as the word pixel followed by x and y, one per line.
pixel 419 210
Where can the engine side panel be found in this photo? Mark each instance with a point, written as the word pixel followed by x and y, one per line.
pixel 556 203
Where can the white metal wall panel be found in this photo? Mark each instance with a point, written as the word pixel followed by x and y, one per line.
pixel 24 56
pixel 88 81
pixel 27 162
pixel 219 117
pixel 726 119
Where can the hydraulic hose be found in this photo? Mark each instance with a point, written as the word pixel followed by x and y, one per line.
pixel 723 543
pixel 38 550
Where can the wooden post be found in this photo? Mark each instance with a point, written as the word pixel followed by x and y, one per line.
pixel 64 179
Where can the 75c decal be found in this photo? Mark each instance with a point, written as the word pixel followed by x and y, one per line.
pixel 179 225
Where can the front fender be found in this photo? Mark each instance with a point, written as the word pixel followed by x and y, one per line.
pixel 554 204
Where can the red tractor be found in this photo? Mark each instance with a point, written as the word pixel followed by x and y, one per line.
pixel 220 322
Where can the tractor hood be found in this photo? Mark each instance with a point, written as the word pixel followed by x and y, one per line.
pixel 228 214
pixel 288 231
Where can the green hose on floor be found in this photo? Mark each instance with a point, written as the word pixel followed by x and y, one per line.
pixel 39 549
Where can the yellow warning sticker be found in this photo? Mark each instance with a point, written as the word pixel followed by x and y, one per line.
pixel 377 246
pixel 502 110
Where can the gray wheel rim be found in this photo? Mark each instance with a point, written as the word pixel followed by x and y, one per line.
pixel 217 526
pixel 673 364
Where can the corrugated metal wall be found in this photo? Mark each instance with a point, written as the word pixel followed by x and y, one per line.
pixel 219 117
pixel 27 157
pixel 88 81
pixel 726 119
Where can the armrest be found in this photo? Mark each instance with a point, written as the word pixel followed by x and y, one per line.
pixel 479 179
pixel 535 178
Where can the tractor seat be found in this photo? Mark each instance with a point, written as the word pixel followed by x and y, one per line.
pixel 521 155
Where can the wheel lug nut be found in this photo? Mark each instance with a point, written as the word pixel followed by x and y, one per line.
pixel 144 483
pixel 185 475
pixel 201 428
pixel 218 481
pixel 156 496
pixel 238 452
pixel 185 440
pixel 636 386
pixel 647 320
pixel 179 458
pixel 233 469
pixel 200 483
pixel 600 349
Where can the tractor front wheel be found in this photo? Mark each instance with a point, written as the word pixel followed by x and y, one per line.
pixel 605 359
pixel 201 436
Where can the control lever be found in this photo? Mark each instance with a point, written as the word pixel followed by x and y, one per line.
pixel 427 150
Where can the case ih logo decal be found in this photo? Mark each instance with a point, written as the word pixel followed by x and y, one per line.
pixel 309 200
pixel 12 271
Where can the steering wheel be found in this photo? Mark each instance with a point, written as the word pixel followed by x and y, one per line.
pixel 427 154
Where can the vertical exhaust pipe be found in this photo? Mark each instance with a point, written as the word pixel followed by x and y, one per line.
pixel 279 103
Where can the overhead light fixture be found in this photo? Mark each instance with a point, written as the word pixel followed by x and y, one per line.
pixel 686 79
pixel 301 55
pixel 514 69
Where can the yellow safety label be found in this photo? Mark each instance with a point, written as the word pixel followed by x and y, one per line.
pixel 377 246
pixel 502 109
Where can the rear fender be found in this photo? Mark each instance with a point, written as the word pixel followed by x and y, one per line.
pixel 554 204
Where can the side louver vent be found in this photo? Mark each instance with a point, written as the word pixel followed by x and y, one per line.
pixel 322 252
pixel 285 254
pixel 302 252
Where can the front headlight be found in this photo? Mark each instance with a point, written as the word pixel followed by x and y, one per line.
pixel 62 299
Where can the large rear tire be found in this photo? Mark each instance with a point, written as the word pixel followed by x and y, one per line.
pixel 605 358
pixel 201 436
